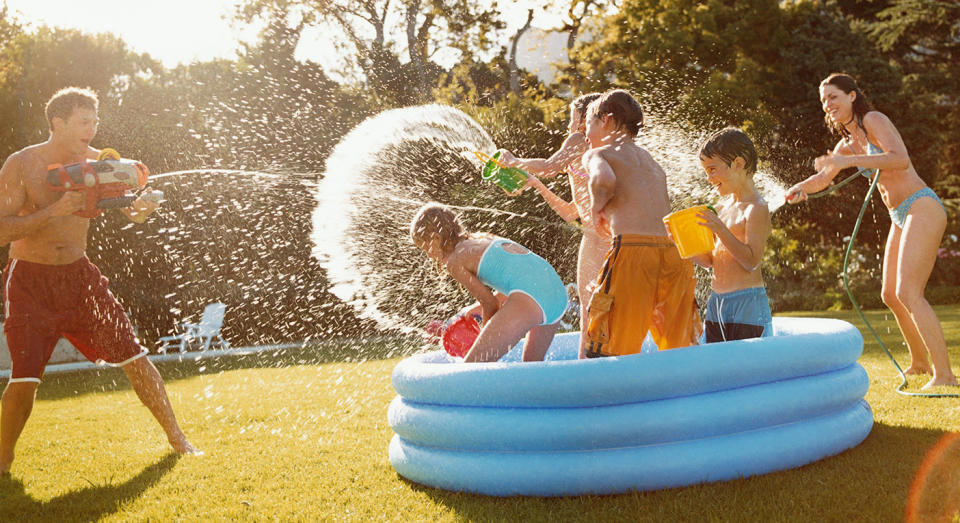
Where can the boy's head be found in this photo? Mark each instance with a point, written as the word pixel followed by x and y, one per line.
pixel 729 145
pixel 62 104
pixel 578 111
pixel 621 107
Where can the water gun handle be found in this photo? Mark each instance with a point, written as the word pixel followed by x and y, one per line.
pixel 115 203
pixel 154 196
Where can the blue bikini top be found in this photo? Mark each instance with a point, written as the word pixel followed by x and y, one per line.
pixel 866 171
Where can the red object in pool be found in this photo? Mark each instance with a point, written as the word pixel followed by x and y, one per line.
pixel 460 335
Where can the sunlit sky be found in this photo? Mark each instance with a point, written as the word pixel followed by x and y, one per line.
pixel 185 31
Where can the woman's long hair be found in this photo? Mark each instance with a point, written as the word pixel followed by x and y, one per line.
pixel 861 106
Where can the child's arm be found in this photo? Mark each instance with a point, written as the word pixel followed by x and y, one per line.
pixel 603 180
pixel 748 253
pixel 489 303
pixel 573 147
pixel 475 309
pixel 704 260
pixel 566 210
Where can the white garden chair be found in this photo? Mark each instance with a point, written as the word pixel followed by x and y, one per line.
pixel 203 333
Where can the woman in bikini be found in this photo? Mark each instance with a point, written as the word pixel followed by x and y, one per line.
pixel 594 244
pixel 869 140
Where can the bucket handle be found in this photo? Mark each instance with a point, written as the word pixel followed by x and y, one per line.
pixel 485 158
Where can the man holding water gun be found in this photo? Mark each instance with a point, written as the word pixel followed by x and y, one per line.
pixel 50 287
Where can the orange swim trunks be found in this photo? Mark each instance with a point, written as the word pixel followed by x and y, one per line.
pixel 644 286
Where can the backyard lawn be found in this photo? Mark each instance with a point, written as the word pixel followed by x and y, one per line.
pixel 303 436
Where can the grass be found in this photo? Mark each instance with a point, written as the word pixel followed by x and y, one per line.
pixel 303 437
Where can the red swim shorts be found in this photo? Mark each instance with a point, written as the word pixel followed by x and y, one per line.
pixel 44 302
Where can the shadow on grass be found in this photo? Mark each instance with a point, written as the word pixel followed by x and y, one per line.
pixel 107 379
pixel 87 504
pixel 869 482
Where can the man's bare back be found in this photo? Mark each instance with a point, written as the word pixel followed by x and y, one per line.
pixel 639 199
pixel 40 224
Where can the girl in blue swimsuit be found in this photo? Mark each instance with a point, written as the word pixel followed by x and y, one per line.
pixel 535 297
pixel 870 140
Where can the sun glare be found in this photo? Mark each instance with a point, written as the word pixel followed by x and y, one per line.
pixel 173 31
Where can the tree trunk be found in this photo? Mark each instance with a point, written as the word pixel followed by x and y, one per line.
pixel 514 71
pixel 415 50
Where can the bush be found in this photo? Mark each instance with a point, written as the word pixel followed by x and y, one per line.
pixel 802 273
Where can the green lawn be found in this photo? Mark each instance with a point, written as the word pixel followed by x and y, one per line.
pixel 304 436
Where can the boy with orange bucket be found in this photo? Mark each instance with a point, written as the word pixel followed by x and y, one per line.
pixel 738 307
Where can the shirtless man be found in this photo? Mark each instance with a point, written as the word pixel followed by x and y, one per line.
pixel 51 288
pixel 644 284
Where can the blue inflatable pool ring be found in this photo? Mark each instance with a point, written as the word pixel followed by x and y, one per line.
pixel 642 422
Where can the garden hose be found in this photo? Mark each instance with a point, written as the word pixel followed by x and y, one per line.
pixel 846 283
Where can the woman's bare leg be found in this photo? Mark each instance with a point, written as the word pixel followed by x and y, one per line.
pixel 919 363
pixel 919 242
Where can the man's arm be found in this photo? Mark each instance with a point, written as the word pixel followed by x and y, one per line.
pixel 13 196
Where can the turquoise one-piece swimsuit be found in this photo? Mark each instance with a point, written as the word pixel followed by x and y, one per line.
pixel 507 272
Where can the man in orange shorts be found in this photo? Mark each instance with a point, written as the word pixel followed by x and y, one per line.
pixel 51 288
pixel 645 285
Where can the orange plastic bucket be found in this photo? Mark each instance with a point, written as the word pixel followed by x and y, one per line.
pixel 691 237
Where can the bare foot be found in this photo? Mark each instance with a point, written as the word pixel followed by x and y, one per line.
pixel 184 447
pixel 916 370
pixel 5 467
pixel 940 382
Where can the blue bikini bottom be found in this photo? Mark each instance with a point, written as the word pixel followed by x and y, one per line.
pixel 899 215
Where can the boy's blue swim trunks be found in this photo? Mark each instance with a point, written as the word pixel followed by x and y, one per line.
pixel 737 315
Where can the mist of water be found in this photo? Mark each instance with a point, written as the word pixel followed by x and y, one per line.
pixel 375 179
pixel 677 151
pixel 392 163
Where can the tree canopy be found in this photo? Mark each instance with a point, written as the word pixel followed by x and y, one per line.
pixel 754 64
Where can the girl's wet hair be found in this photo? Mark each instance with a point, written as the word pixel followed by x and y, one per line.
pixel 622 107
pixel 581 102
pixel 727 144
pixel 436 218
pixel 861 106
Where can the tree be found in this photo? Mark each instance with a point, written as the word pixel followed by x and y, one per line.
pixel 371 28
pixel 9 70
pixel 923 37
pixel 514 72
pixel 35 65
pixel 753 64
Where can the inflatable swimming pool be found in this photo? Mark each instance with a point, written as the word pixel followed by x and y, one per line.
pixel 643 422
